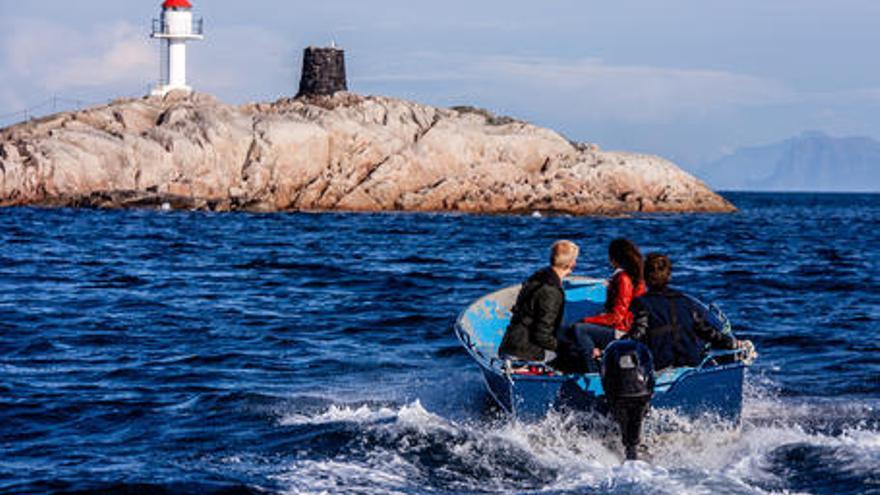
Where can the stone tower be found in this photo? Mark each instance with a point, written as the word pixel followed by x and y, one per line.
pixel 323 71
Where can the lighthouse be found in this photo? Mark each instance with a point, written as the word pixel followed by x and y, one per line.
pixel 174 29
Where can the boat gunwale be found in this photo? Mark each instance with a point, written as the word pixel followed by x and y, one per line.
pixel 468 344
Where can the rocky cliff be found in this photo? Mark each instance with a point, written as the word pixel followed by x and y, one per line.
pixel 345 152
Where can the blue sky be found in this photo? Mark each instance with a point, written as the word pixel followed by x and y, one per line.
pixel 687 79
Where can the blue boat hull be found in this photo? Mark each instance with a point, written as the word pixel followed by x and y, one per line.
pixel 710 388
pixel 716 391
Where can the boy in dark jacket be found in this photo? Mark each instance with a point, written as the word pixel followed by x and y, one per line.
pixel 669 323
pixel 537 314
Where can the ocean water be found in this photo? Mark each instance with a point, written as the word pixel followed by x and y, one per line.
pixel 176 352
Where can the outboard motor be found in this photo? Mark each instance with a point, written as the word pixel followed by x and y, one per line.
pixel 628 380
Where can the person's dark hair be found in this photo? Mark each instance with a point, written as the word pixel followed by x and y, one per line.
pixel 625 253
pixel 658 270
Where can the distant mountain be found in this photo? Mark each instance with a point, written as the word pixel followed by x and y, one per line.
pixel 812 161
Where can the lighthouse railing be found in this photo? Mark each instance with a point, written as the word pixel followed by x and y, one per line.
pixel 162 28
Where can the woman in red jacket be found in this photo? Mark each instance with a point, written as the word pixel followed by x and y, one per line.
pixel 625 285
pixel 582 343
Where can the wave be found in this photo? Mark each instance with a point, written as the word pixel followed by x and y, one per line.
pixel 408 449
pixel 297 344
pixel 152 488
pixel 339 414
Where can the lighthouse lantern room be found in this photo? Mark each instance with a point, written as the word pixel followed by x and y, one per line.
pixel 174 29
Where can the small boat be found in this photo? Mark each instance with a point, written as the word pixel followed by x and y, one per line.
pixel 529 392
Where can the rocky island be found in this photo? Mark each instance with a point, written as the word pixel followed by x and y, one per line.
pixel 328 152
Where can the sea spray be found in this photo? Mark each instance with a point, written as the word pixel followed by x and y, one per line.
pixel 410 449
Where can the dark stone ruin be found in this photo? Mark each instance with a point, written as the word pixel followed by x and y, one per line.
pixel 323 71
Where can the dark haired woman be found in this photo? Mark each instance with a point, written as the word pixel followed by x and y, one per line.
pixel 626 284
pixel 581 343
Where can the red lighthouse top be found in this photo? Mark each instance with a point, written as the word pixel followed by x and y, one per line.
pixel 176 4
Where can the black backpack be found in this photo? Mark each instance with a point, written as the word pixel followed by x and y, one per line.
pixel 627 370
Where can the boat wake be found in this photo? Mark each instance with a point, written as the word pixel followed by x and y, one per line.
pixel 408 449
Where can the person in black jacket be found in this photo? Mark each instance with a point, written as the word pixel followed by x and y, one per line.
pixel 670 324
pixel 537 313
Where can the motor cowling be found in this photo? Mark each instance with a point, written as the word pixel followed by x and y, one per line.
pixel 627 370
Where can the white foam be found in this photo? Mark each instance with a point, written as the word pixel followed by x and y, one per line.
pixel 340 414
pixel 336 476
pixel 693 457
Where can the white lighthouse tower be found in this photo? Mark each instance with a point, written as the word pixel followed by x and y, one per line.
pixel 174 28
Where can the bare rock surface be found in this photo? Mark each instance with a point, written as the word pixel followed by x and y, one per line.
pixel 341 152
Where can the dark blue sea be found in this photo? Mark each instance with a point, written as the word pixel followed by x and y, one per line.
pixel 147 352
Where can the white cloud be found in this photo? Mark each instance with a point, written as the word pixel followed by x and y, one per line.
pixel 642 93
pixel 590 87
pixel 447 76
pixel 857 96
pixel 241 61
pixel 123 55
pixel 47 56
pixel 41 59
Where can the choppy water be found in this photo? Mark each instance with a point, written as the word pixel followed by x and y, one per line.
pixel 151 352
